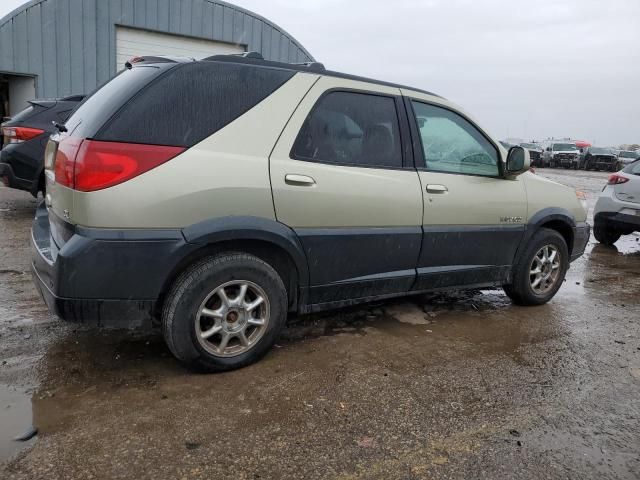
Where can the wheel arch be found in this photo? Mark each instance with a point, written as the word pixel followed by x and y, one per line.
pixel 272 242
pixel 558 219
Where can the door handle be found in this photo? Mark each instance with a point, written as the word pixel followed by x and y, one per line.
pixel 437 189
pixel 299 180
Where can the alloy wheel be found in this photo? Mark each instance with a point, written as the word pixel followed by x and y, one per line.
pixel 544 272
pixel 232 319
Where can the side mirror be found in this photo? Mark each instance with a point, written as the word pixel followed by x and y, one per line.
pixel 518 161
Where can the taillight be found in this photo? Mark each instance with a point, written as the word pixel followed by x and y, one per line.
pixel 64 164
pixel 20 134
pixel 616 179
pixel 101 165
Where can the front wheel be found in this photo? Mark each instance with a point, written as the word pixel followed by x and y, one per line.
pixel 539 273
pixel 224 312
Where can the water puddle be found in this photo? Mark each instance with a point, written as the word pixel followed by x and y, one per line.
pixel 15 419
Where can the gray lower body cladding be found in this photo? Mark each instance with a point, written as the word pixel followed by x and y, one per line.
pixel 116 278
pixel 621 221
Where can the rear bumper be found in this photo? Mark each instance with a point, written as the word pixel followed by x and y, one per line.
pixel 18 165
pixel 620 221
pixel 581 235
pixel 103 278
pixel 9 179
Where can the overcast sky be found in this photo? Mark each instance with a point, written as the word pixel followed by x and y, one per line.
pixel 522 68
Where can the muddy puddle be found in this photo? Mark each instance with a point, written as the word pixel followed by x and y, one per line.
pixel 15 420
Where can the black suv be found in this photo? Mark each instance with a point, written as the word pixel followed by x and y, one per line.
pixel 24 138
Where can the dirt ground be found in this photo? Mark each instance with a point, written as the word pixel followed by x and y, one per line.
pixel 455 386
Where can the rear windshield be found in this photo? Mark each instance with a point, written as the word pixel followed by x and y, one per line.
pixel 531 146
pixel 22 115
pixel 600 151
pixel 191 102
pixel 99 107
pixel 633 168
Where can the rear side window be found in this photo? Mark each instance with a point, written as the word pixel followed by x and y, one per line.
pixel 191 102
pixel 351 129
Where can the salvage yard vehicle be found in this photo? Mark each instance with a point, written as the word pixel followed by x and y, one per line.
pixel 625 157
pixel 561 155
pixel 617 210
pixel 535 153
pixel 595 158
pixel 214 197
pixel 25 137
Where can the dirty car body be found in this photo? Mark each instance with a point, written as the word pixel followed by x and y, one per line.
pixel 307 190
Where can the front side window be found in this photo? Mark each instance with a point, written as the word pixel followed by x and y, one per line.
pixel 453 145
pixel 351 129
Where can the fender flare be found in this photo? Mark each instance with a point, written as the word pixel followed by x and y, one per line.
pixel 251 228
pixel 540 218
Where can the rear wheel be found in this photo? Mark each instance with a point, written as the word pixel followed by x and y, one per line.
pixel 539 273
pixel 225 312
pixel 606 235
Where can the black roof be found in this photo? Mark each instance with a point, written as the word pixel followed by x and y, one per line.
pixel 253 58
pixel 256 59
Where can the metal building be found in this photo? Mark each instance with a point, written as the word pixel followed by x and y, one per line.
pixel 55 48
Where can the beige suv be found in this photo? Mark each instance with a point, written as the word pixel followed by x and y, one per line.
pixel 216 196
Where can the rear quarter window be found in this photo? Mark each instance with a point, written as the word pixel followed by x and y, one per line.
pixel 191 102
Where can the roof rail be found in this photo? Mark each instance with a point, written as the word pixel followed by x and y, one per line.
pixel 312 66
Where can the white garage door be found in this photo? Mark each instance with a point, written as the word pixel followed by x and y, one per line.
pixel 133 42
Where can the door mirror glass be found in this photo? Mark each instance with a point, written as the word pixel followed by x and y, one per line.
pixel 517 161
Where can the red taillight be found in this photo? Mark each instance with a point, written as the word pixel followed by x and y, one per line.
pixel 616 179
pixel 20 134
pixel 101 165
pixel 65 160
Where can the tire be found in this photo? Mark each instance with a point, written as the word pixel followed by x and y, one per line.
pixel 521 290
pixel 606 235
pixel 202 287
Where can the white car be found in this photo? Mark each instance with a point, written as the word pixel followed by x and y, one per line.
pixel 617 210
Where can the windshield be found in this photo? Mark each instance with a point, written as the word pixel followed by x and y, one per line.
pixel 529 145
pixel 628 154
pixel 600 151
pixel 564 146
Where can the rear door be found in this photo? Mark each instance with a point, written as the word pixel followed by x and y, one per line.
pixel 343 180
pixel 473 217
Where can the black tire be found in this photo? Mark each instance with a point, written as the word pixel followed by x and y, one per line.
pixel 606 235
pixel 520 290
pixel 191 289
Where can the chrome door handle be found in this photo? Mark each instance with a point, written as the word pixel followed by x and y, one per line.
pixel 299 180
pixel 437 189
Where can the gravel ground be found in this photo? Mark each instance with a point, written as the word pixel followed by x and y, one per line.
pixel 447 386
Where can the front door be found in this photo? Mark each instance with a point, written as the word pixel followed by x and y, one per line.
pixel 339 181
pixel 473 217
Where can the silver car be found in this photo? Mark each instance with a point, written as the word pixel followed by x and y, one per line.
pixel 617 210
